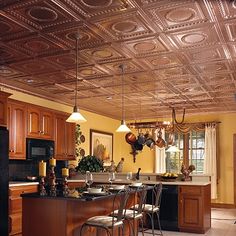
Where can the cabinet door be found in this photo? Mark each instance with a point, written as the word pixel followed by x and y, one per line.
pixel 17 131
pixel 33 129
pixel 47 128
pixel 3 108
pixel 70 141
pixel 190 207
pixel 60 137
pixel 64 138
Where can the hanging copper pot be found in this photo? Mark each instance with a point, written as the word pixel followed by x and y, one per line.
pixel 160 142
pixel 130 138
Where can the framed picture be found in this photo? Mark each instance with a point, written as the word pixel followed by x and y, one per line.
pixel 101 145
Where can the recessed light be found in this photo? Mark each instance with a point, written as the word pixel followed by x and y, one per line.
pixel 30 81
pixel 109 98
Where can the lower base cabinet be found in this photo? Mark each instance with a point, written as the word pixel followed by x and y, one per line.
pixel 194 208
pixel 15 207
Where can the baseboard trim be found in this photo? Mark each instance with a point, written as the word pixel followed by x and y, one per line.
pixel 222 205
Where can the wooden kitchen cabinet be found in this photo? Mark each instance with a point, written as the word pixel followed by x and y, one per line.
pixel 64 138
pixel 3 108
pixel 40 123
pixel 17 130
pixel 15 207
pixel 194 208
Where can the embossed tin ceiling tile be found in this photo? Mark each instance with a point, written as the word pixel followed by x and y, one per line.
pixel 36 45
pixel 205 54
pixel 129 26
pixel 39 13
pixel 8 27
pixel 146 46
pixel 34 66
pixel 195 37
pixel 213 67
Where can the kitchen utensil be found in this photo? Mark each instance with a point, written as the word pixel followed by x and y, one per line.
pixel 130 138
pixel 137 146
pixel 141 139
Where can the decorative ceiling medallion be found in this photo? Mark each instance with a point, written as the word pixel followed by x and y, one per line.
pixel 161 61
pixel 102 53
pixel 180 15
pixel 145 46
pixel 36 45
pixel 82 36
pixel 88 72
pixel 194 38
pixel 5 28
pixel 97 4
pixel 42 14
pixel 66 60
pixel 124 26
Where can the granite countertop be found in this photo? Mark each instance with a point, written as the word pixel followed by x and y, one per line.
pixel 21 183
pixel 122 181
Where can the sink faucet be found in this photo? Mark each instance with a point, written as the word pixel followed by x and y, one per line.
pixel 137 174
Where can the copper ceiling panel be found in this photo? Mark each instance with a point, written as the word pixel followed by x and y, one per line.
pixel 177 53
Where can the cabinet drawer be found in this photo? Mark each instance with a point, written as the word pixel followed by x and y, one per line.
pixel 15 224
pixel 196 190
pixel 15 205
pixel 17 191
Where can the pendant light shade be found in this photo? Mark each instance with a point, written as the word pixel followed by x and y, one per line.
pixel 76 116
pixel 123 128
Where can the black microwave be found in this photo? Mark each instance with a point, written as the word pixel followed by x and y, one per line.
pixel 39 149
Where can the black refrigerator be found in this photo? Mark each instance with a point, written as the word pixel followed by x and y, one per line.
pixel 4 184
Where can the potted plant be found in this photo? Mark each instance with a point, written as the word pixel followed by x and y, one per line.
pixel 90 163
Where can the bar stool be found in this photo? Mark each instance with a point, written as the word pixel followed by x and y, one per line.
pixel 151 209
pixel 110 223
pixel 132 215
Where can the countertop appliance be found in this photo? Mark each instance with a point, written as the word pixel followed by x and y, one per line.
pixel 4 184
pixel 39 149
pixel 169 208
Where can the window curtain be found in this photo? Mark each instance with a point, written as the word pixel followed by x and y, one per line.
pixel 210 157
pixel 160 154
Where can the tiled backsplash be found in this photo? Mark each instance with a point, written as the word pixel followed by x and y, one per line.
pixel 20 169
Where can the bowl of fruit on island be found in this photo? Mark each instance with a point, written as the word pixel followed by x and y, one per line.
pixel 169 175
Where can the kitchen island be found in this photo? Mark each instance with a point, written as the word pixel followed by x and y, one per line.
pixel 64 216
pixel 185 205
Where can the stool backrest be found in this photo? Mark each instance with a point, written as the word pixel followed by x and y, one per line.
pixel 156 195
pixel 120 203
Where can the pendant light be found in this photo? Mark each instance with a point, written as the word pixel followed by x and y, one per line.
pixel 123 128
pixel 76 116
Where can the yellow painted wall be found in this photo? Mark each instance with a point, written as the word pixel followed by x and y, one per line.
pixel 145 159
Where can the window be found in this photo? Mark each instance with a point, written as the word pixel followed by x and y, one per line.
pixel 191 148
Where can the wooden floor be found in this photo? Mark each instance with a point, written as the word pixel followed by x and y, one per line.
pixel 223 224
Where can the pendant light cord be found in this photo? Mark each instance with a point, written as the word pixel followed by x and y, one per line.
pixel 76 61
pixel 122 91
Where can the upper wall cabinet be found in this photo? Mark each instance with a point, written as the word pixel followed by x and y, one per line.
pixel 17 130
pixel 40 123
pixel 3 108
pixel 64 138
